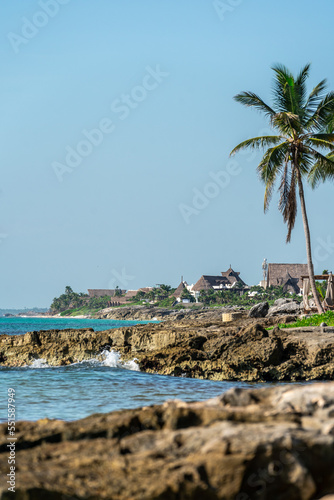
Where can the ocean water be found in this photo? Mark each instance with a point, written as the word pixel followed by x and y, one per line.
pixel 94 386
pixel 19 325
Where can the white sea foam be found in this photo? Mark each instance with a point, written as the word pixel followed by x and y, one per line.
pixel 113 359
pixel 39 363
pixel 106 358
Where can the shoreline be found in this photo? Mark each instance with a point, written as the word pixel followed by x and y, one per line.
pixel 197 347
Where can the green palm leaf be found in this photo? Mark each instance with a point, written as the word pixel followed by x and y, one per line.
pixel 257 143
pixel 323 168
pixel 252 100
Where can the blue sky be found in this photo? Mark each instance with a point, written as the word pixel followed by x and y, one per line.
pixel 141 203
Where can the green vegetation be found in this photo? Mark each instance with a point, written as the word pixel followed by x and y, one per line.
pixel 187 295
pixel 74 304
pixel 304 124
pixel 71 303
pixel 235 298
pixel 315 320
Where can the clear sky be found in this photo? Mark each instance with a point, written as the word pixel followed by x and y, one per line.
pixel 117 119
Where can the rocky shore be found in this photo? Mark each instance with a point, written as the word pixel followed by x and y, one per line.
pixel 271 443
pixel 149 313
pixel 245 349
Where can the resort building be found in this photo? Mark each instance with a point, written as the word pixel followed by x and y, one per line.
pixel 105 292
pixel 289 276
pixel 130 294
pixel 178 292
pixel 180 295
pixel 227 280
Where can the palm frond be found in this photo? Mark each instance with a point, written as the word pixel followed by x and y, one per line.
pixel 250 99
pixel 323 168
pixel 300 88
pixel 287 123
pixel 257 143
pixel 288 202
pixel 326 136
pixel 306 162
pixel 323 115
pixel 320 143
pixel 270 166
pixel 285 96
pixel 284 186
pixel 315 97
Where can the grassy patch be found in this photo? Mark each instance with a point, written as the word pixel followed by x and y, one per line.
pixel 315 320
pixel 80 311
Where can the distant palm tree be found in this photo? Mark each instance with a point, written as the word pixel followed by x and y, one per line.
pixel 305 126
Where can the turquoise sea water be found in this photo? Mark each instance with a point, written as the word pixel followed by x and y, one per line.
pixel 93 386
pixel 17 326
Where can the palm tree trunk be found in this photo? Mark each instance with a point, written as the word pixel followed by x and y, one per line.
pixel 308 243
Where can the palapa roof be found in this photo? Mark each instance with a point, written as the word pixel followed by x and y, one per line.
pixel 232 276
pixel 208 282
pixel 98 292
pixel 132 293
pixel 227 278
pixel 178 292
pixel 287 275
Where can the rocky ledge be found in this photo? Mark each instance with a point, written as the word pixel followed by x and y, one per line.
pixel 246 349
pixel 149 313
pixel 272 443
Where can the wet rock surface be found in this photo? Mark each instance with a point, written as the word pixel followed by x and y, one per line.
pixel 245 349
pixel 271 443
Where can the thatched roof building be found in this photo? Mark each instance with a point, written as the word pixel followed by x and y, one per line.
pixel 104 292
pixel 178 292
pixel 130 294
pixel 287 275
pixel 228 279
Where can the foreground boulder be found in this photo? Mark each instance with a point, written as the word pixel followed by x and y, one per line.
pixel 285 306
pixel 259 310
pixel 272 443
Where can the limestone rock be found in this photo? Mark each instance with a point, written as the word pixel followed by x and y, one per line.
pixel 259 310
pixel 269 443
pixel 282 301
pixel 244 349
pixel 290 307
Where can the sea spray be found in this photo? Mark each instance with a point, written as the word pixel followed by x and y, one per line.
pixel 112 359
pixel 39 363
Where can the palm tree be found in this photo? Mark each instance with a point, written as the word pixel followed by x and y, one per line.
pixel 304 125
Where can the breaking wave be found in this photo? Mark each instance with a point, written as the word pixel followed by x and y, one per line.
pixel 105 358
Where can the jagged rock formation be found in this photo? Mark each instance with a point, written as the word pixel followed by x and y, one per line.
pixel 273 443
pixel 148 313
pixel 242 350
